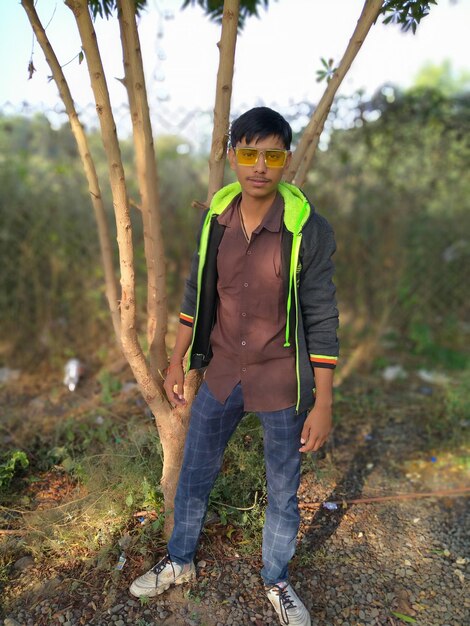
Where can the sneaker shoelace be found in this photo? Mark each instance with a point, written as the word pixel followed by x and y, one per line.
pixel 160 566
pixel 285 603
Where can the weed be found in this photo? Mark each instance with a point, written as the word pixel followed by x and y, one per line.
pixel 380 362
pixel 118 467
pixel 425 345
pixel 306 555
pixel 16 460
pixel 242 475
pixel 239 493
pixel 110 385
pixel 463 462
pixel 448 416
pixel 457 400
pixel 196 593
pixel 321 465
pixel 152 494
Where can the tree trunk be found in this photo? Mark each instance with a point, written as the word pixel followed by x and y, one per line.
pixel 223 94
pixel 88 165
pixel 146 165
pixel 171 425
pixel 303 155
pixel 130 343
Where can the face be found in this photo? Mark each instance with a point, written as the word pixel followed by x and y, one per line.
pixel 259 181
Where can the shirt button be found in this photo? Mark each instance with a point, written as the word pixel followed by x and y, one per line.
pixel 249 252
pixel 243 314
pixel 245 284
pixel 243 343
pixel 243 369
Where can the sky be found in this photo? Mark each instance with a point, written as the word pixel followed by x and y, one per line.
pixel 276 61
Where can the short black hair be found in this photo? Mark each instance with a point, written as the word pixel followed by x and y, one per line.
pixel 259 123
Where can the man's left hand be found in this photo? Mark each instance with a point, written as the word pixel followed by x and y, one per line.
pixel 317 428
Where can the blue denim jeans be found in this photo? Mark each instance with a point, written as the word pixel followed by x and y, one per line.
pixel 210 429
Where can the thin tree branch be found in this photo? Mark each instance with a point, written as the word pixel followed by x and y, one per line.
pixel 303 155
pixel 112 292
pixel 146 166
pixel 461 491
pixel 223 94
pixel 129 339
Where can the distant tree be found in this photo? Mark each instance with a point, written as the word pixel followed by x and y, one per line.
pixel 443 77
pixel 149 372
pixel 401 188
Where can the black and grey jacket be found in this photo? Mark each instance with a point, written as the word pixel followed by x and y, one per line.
pixel 312 317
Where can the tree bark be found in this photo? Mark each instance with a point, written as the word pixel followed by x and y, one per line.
pixel 303 155
pixel 146 166
pixel 171 425
pixel 111 286
pixel 223 94
pixel 130 343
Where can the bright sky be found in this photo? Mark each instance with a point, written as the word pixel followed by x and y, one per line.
pixel 276 60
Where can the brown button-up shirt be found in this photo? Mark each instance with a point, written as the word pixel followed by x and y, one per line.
pixel 248 337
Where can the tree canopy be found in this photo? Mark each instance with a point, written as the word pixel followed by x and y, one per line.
pixel 406 13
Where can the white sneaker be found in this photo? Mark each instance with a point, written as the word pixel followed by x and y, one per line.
pixel 162 575
pixel 288 606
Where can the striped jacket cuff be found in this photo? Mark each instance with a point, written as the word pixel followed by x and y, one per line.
pixel 323 360
pixel 186 320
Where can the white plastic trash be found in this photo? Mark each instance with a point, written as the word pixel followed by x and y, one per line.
pixel 73 371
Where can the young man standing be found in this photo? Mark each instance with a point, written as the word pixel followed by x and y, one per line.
pixel 259 312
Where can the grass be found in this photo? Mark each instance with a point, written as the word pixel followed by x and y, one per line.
pixel 425 345
pixel 240 491
pixel 98 472
pixel 447 424
pixel 102 464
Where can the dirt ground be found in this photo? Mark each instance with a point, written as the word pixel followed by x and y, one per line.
pixel 392 548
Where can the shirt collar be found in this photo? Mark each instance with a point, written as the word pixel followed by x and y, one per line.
pixel 272 220
pixel 226 217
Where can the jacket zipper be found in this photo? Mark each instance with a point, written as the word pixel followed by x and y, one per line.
pixel 296 301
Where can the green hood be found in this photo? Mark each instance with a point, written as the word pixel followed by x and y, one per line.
pixel 296 206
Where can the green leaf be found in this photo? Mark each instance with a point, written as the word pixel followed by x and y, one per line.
pixel 129 500
pixel 18 459
pixel 68 464
pixel 214 9
pixel 404 618
pixel 230 532
pixel 80 57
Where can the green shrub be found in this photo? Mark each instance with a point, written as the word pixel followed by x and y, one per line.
pixel 15 462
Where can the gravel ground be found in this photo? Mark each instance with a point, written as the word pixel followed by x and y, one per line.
pixel 369 561
pixel 359 565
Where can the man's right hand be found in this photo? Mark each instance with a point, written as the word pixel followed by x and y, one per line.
pixel 174 384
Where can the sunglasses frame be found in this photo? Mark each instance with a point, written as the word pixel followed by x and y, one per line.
pixel 258 153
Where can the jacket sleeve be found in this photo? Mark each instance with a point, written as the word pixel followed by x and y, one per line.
pixel 317 293
pixel 188 306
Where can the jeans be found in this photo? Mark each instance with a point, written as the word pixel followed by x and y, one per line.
pixel 210 429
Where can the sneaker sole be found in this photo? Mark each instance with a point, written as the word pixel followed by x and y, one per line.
pixel 136 591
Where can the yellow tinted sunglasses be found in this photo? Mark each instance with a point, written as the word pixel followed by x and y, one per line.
pixel 250 156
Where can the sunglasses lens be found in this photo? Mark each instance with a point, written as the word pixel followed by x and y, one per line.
pixel 275 158
pixel 247 156
pixel 250 156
